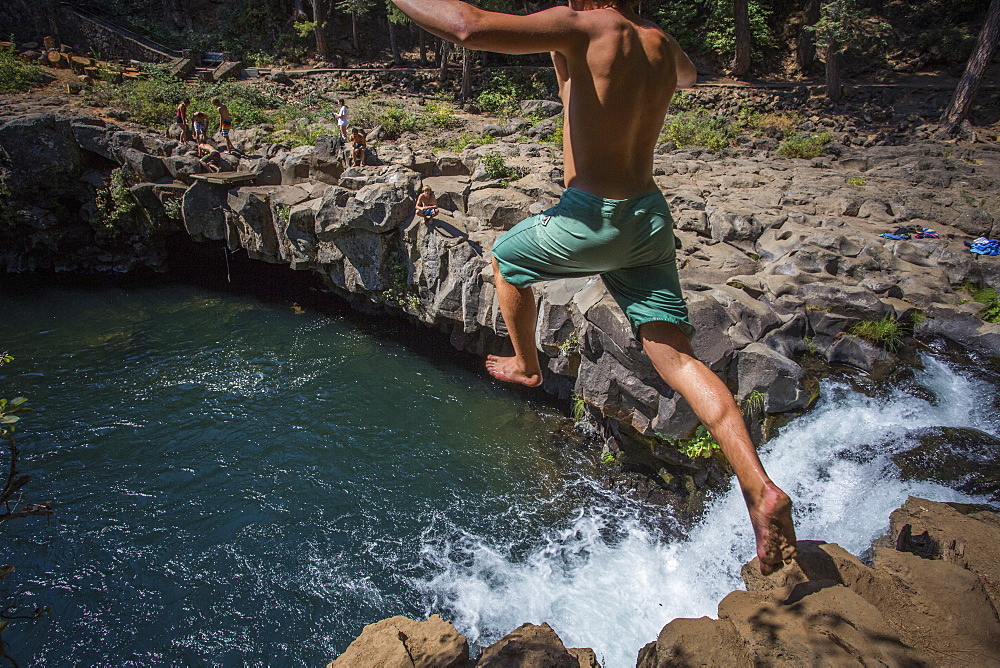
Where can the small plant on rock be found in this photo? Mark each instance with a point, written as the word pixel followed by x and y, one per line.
pixel 578 407
pixel 569 346
pixel 400 292
pixel 856 181
pixel 886 332
pixel 702 444
pixel 804 146
pixel 467 139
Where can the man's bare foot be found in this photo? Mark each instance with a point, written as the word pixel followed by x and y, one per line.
pixel 771 516
pixel 508 370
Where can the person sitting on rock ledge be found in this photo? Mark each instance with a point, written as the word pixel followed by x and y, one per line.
pixel 359 145
pixel 209 157
pixel 612 220
pixel 427 205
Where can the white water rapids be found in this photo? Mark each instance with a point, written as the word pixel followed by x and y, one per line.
pixel 610 581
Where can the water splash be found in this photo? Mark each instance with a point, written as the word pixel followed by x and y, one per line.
pixel 610 580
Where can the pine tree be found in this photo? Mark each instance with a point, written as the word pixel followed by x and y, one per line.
pixel 968 86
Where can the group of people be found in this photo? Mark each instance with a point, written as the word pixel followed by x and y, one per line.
pixel 357 138
pixel 208 153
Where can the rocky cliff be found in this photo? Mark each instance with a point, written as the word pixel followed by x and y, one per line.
pixel 929 597
pixel 779 257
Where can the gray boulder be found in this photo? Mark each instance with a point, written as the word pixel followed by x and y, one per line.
pixel 499 208
pixel 204 210
pixel 540 108
pixel 378 207
pixel 779 378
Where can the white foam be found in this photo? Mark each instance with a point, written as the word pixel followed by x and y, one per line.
pixel 609 581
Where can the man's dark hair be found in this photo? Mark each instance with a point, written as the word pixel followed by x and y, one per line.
pixel 629 5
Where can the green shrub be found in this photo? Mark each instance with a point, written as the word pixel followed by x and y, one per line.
pixel 782 123
pixel 259 59
pixel 438 114
pixel 496 168
pixel 698 127
pixel 17 76
pixel 396 120
pixel 988 298
pixel 804 146
pixel 856 181
pixel 115 205
pixel 153 100
pixel 887 332
pixel 503 94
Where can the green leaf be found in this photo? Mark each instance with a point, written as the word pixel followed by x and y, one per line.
pixel 6 570
pixel 17 401
pixel 9 419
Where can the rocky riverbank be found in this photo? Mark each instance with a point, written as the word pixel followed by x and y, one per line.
pixel 928 597
pixel 780 257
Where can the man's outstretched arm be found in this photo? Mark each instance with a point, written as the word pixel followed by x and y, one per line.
pixel 555 29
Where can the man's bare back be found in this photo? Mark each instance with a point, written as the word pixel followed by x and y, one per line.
pixel 617 74
pixel 606 59
pixel 625 59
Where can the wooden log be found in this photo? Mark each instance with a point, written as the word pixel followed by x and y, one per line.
pixel 79 63
pixel 55 59
pixel 86 80
pixel 93 72
pixel 74 88
pixel 50 42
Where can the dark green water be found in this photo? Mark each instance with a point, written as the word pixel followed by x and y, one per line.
pixel 240 483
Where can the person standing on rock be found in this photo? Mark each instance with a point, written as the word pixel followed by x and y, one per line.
pixel 225 122
pixel 613 68
pixel 342 120
pixel 180 117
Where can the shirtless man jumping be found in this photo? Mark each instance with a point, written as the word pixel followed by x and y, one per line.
pixel 612 66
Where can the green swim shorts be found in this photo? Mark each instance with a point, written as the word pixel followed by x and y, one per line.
pixel 628 242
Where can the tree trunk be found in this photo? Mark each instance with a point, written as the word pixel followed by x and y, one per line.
pixel 968 86
pixel 466 74
pixel 422 45
pixel 833 88
pixel 741 59
pixel 397 60
pixel 445 50
pixel 322 47
pixel 805 52
pixel 354 31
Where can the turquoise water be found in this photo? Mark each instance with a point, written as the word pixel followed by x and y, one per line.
pixel 241 483
pixel 245 483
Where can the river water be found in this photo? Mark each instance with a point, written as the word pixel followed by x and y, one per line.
pixel 247 483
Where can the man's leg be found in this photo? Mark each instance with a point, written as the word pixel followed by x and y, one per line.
pixel 770 508
pixel 518 308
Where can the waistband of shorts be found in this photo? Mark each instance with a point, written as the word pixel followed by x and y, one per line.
pixel 575 194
